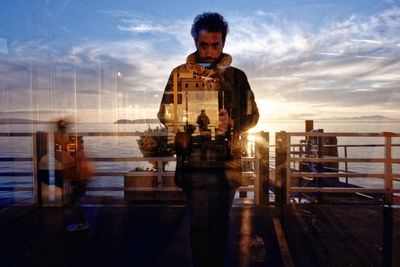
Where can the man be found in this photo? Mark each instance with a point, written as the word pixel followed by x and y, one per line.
pixel 203 121
pixel 210 182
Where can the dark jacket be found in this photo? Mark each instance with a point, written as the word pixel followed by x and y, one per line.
pixel 238 97
pixel 234 95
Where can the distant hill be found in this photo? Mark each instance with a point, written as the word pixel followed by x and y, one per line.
pixel 373 118
pixel 124 121
pixel 22 121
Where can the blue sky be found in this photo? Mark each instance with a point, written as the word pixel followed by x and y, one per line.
pixel 110 60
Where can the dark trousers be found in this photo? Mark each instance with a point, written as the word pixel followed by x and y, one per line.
pixel 79 191
pixel 209 199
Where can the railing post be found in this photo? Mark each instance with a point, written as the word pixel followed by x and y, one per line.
pixel 64 169
pixel 288 168
pixel 36 182
pixel 280 168
pixel 345 164
pixel 41 168
pixel 262 168
pixel 160 171
pixel 388 168
pixel 246 165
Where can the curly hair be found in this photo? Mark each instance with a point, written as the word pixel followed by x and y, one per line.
pixel 211 22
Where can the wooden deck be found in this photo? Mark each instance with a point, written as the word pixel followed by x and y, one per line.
pixel 128 235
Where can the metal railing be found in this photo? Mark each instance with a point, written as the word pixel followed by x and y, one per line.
pixel 258 156
pixel 39 148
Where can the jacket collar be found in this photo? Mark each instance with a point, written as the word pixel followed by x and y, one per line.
pixel 224 61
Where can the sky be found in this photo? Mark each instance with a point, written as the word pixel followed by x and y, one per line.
pixel 108 60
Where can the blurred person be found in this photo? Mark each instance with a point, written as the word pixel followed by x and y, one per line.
pixel 209 186
pixel 61 139
pixel 203 121
pixel 67 150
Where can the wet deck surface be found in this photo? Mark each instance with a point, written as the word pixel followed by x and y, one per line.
pixel 315 235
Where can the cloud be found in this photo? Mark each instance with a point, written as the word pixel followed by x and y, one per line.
pixel 261 13
pixel 351 65
pixel 338 65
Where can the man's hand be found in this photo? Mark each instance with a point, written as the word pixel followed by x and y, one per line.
pixel 223 122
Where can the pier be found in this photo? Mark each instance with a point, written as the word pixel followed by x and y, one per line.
pixel 301 213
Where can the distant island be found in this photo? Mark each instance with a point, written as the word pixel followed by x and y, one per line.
pixel 125 121
pixel 373 118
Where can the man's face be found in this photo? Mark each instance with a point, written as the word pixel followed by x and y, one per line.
pixel 209 45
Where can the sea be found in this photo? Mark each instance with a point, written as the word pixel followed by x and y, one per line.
pixel 126 146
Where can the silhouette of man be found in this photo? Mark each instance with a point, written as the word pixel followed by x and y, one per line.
pixel 209 186
pixel 203 121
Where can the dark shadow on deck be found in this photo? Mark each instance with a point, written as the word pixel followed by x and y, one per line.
pixel 317 235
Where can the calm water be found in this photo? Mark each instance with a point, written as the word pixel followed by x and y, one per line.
pixel 127 147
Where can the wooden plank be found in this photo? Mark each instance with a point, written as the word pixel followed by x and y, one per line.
pixel 284 248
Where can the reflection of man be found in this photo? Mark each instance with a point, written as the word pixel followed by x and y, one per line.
pixel 209 186
pixel 203 121
pixel 224 123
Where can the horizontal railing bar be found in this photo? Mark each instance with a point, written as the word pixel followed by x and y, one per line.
pixel 336 175
pixel 16 174
pixel 248 174
pixel 298 153
pixel 240 189
pixel 366 145
pixel 126 134
pixel 246 189
pixel 341 134
pixel 336 160
pixel 248 159
pixel 362 145
pixel 339 190
pixel 16 159
pixel 132 174
pixel 334 169
pixel 133 159
pixel 16 134
pixel 20 188
pixel 91 188
pixel 144 174
pixel 122 134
